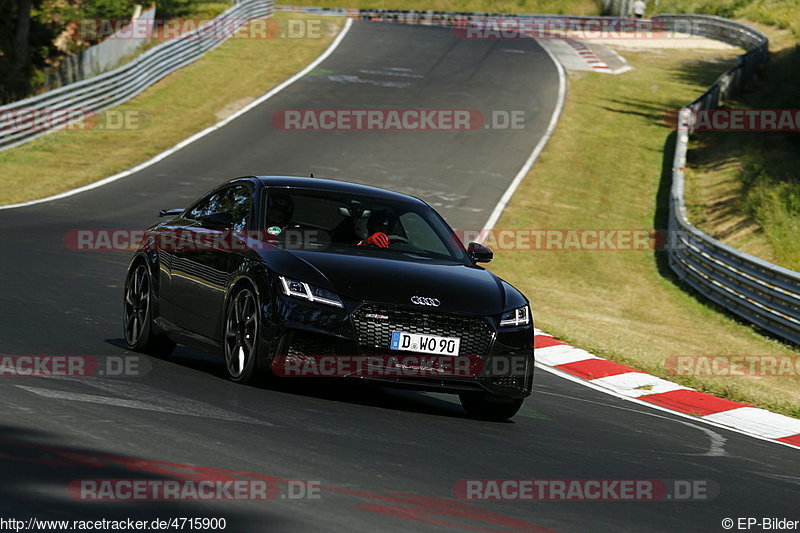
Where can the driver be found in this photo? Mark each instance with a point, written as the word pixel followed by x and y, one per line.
pixel 379 227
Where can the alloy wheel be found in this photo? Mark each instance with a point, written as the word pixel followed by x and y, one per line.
pixel 241 328
pixel 137 304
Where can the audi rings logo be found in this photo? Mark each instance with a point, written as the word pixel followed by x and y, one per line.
pixel 421 300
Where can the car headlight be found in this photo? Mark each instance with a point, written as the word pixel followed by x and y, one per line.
pixel 520 316
pixel 301 289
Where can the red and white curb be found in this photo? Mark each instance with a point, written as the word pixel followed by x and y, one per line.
pixel 588 56
pixel 627 382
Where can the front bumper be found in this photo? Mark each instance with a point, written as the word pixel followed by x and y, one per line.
pixel 502 357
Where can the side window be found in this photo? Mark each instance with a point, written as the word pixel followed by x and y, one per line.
pixel 234 200
pixel 205 206
pixel 240 205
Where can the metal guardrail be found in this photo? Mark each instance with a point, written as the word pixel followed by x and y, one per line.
pixel 762 293
pixel 55 109
pixel 104 55
pixel 439 18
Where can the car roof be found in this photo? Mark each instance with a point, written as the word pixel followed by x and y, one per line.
pixel 330 185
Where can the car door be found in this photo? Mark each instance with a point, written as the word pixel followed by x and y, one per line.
pixel 166 241
pixel 206 258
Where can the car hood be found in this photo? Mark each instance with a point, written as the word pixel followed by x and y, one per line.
pixel 395 279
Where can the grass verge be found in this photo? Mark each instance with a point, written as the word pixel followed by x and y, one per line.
pixel 780 13
pixel 185 102
pixel 608 166
pixel 743 188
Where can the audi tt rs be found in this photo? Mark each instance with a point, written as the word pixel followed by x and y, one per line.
pixel 307 277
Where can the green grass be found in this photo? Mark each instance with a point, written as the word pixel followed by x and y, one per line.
pixel 606 168
pixel 185 102
pixel 780 13
pixel 744 187
pixel 206 9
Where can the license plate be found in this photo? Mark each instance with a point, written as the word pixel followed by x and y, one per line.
pixel 414 342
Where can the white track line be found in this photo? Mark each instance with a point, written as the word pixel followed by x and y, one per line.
pixel 693 418
pixel 168 152
pixel 501 205
pixel 625 68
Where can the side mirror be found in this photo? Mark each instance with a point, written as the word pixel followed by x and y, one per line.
pixel 222 220
pixel 169 212
pixel 479 253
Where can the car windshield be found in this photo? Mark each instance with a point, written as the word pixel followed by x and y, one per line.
pixel 337 222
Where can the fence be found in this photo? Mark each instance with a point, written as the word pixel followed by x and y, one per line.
pixel 102 56
pixel 27 119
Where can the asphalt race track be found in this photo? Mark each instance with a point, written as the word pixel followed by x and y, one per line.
pixel 387 460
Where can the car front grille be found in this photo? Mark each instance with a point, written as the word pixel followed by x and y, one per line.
pixel 509 382
pixel 375 333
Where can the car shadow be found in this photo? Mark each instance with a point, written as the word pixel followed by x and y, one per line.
pixel 353 391
pixel 39 471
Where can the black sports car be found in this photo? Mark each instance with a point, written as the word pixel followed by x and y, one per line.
pixel 311 277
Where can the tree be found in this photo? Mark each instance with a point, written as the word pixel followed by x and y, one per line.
pixel 15 60
pixel 21 43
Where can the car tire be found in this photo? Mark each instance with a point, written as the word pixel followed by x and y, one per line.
pixel 490 407
pixel 139 330
pixel 240 336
